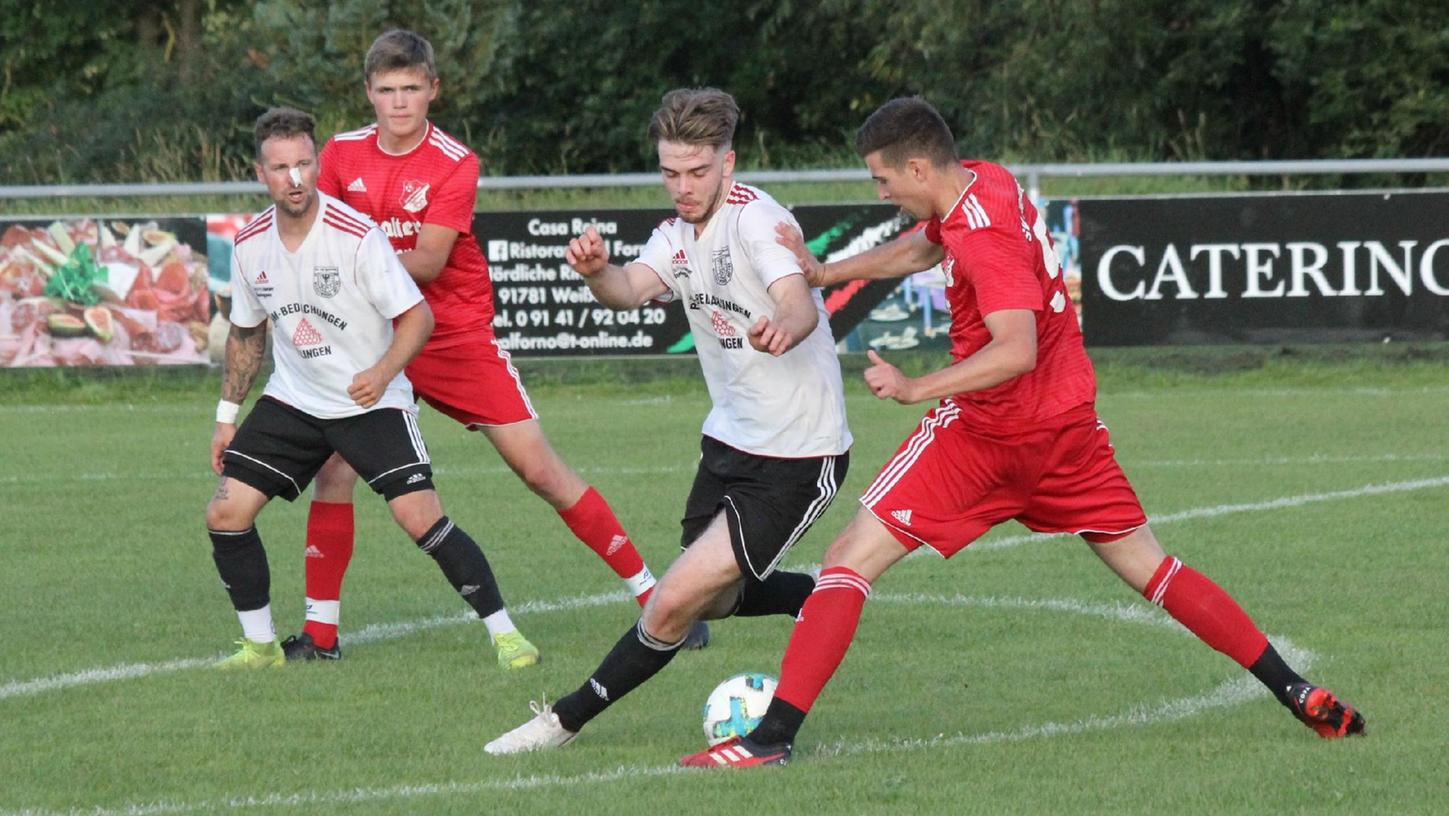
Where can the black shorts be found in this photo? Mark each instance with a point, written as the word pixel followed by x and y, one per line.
pixel 278 450
pixel 769 503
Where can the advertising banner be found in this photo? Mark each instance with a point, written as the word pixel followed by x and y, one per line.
pixel 1266 268
pixel 544 308
pixel 113 291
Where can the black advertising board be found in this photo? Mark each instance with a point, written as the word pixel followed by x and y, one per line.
pixel 1265 268
pixel 544 308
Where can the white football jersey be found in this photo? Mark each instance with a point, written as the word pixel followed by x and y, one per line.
pixel 331 304
pixel 791 406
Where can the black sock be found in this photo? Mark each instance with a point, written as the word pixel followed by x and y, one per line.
pixel 781 723
pixel 464 565
pixel 1272 672
pixel 242 564
pixel 637 657
pixel 782 593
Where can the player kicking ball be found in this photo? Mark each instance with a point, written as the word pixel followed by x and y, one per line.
pixel 1015 434
pixel 346 319
pixel 775 446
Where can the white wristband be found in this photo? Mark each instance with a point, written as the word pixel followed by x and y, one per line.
pixel 227 412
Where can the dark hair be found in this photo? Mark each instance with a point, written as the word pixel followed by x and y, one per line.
pixel 695 116
pixel 397 49
pixel 907 128
pixel 284 123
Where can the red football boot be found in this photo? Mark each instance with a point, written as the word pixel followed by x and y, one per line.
pixel 739 752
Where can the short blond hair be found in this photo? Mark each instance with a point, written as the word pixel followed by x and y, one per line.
pixel 695 116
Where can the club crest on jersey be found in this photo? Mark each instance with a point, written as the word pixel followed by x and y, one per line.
pixel 948 268
pixel 722 266
pixel 415 196
pixel 326 280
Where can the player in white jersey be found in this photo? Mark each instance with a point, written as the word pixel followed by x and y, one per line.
pixel 346 319
pixel 775 445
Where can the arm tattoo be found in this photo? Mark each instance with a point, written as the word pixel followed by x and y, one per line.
pixel 244 350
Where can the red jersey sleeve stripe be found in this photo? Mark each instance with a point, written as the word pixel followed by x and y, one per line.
pixel 350 229
pixel 348 218
pixel 256 227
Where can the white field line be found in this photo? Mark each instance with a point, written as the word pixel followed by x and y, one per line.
pixel 1307 390
pixel 1268 461
pixel 20 688
pixel 1231 692
pixel 367 634
pixel 689 467
pixel 1249 507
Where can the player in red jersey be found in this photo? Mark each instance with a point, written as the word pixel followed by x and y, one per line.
pixel 1015 436
pixel 420 184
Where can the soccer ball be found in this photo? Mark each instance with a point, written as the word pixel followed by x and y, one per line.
pixel 737 705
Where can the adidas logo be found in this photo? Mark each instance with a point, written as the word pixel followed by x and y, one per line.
pixel 680 264
pixel 903 516
pixel 599 689
pixel 617 542
pixel 262 277
pixel 357 186
pixel 415 478
pixel 313 552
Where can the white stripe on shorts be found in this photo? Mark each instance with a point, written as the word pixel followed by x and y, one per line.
pixel 825 483
pixel 415 435
pixel 240 455
pixel 513 372
pixel 897 467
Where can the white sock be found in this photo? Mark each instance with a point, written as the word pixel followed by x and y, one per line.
pixel 257 624
pixel 324 611
pixel 499 623
pixel 641 583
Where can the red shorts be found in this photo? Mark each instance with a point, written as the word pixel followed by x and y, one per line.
pixel 947 485
pixel 471 380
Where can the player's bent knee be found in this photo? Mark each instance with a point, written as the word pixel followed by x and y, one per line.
pixel 416 512
pixel 667 614
pixel 224 515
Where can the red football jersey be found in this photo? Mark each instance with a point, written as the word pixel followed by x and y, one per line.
pixel 999 256
pixel 434 183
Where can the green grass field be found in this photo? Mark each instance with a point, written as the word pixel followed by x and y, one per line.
pixel 1019 677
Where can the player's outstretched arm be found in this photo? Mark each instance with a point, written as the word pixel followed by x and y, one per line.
pixel 614 286
pixel 245 347
pixel 906 255
pixel 410 331
pixel 794 319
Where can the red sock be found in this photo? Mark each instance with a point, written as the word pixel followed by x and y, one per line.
pixel 594 523
pixel 329 551
pixel 1207 610
pixel 823 632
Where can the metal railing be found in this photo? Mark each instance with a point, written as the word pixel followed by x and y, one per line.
pixel 1031 173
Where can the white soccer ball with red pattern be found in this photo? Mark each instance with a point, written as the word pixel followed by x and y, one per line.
pixel 736 706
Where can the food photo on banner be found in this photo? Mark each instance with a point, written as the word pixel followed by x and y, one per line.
pixel 107 291
pixel 1275 268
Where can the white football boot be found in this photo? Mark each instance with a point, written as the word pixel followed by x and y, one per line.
pixel 543 731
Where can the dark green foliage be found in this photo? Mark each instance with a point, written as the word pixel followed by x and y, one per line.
pixel 118 90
